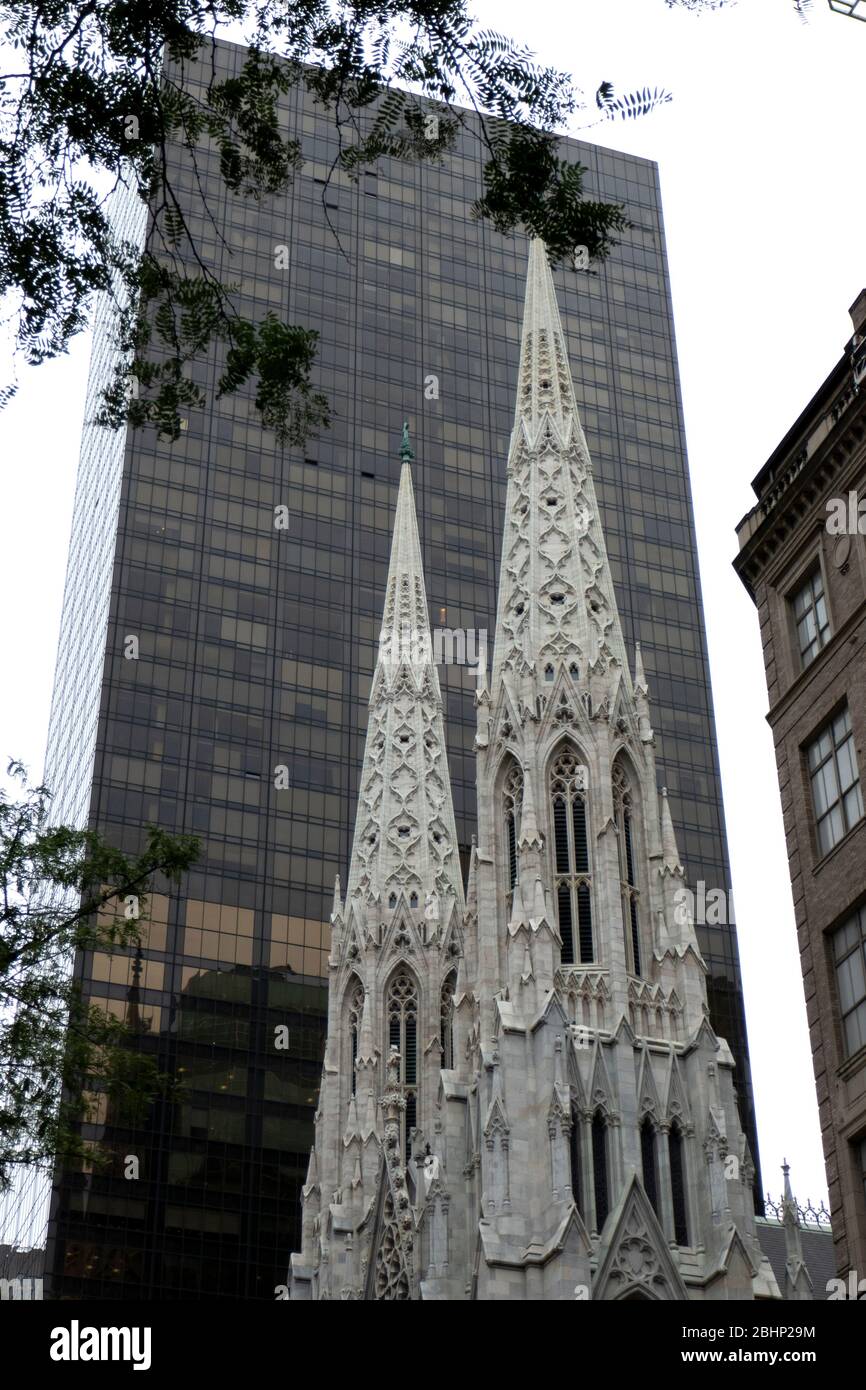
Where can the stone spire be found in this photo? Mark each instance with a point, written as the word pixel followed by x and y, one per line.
pixel 556 600
pixel 404 832
pixel 639 675
pixel 798 1284
pixel 570 932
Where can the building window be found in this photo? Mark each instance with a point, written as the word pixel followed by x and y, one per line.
pixel 574 1158
pixel 836 792
pixel 599 1169
pixel 573 883
pixel 810 616
pixel 513 803
pixel 446 1024
pixel 402 1012
pixel 648 1161
pixel 356 1009
pixel 678 1185
pixel 849 955
pixel 630 896
pixel 860 1150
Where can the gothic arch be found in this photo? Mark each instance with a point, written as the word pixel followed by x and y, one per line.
pixel 402 1022
pixel 446 1019
pixel 508 800
pixel 561 740
pixel 352 1010
pixel 570 850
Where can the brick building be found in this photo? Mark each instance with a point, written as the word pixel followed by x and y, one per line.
pixel 803 560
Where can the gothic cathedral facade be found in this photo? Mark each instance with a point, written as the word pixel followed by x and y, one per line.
pixel 522 1096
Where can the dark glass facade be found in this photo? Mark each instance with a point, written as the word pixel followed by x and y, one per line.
pixel 256 647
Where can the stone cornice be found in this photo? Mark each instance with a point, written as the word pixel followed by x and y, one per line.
pixel 803 484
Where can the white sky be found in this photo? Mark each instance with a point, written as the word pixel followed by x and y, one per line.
pixel 761 159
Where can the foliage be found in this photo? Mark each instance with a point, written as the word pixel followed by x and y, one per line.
pixel 65 891
pixel 89 103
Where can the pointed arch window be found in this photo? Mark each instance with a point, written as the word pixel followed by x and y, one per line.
pixel 446 1021
pixel 599 1169
pixel 623 811
pixel 574 1158
pixel 648 1161
pixel 676 1157
pixel 513 801
pixel 572 877
pixel 356 1010
pixel 402 1015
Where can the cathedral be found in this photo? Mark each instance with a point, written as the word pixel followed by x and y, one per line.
pixel 522 1095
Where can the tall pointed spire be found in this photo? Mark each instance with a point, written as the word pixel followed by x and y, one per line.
pixel 405 837
pixel 556 599
pixel 545 387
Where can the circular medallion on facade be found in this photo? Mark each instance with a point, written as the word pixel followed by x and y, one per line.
pixel 841 551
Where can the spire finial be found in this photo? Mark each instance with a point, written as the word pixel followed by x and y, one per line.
pixel 406 453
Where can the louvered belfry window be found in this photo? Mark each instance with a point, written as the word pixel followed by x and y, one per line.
pixel 513 799
pixel 573 880
pixel 402 1011
pixel 623 811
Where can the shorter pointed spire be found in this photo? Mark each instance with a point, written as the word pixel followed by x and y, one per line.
pixel 670 853
pixel 482 690
pixel 529 834
pixel 370 1116
pixel 312 1171
pixel 366 1047
pixel 351 1131
pixel 539 905
pixel 558 1078
pixel 518 909
pixel 793 1240
pixel 640 682
pixel 786 1172
pixel 337 906
pixel 472 879
pixel 527 973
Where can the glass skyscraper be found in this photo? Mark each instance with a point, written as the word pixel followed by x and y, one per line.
pixel 256 645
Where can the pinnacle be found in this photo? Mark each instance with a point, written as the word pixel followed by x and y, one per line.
pixel 670 853
pixel 556 606
pixel 544 381
pixel 405 843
